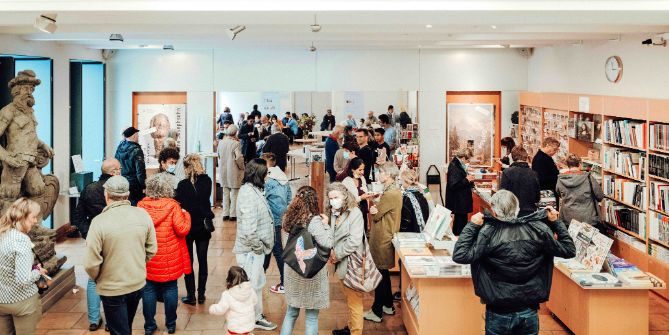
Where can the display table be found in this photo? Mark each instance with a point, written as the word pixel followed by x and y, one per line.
pixel 448 305
pixel 598 310
pixel 306 140
pixel 318 134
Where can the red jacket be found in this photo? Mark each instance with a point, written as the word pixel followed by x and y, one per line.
pixel 172 225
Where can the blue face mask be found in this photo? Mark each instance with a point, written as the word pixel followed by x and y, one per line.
pixel 347 155
pixel 171 168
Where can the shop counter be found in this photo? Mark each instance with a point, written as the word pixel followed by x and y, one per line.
pixel 448 304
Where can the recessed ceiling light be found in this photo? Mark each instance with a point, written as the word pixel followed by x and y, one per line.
pixel 493 26
pixel 428 26
pixel 116 38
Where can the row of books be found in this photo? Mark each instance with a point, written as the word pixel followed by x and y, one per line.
pixel 627 162
pixel 628 273
pixel 626 190
pixel 659 252
pixel 631 240
pixel 659 227
pixel 626 132
pixel 622 216
pixel 659 136
pixel 658 165
pixel 659 196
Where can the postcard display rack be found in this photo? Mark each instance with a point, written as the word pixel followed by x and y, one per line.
pixel 430 278
pixel 630 146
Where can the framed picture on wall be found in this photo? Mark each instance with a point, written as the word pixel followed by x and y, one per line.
pixel 157 122
pixel 472 126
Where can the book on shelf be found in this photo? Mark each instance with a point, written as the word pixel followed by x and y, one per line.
pixel 626 162
pixel 658 251
pixel 659 136
pixel 631 240
pixel 598 279
pixel 659 195
pixel 659 227
pixel 625 190
pixel 625 132
pixel 658 165
pixel 625 217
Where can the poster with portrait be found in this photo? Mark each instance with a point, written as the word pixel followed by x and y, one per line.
pixel 472 126
pixel 157 122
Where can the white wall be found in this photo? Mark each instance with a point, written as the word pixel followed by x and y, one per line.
pixel 61 55
pixel 384 76
pixel 580 69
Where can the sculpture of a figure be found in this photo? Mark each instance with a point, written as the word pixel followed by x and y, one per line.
pixel 23 156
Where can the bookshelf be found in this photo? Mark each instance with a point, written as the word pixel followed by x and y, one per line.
pixel 628 133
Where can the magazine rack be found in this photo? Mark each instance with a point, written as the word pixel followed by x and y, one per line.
pixel 434 179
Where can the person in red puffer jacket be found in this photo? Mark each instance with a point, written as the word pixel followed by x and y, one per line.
pixel 172 224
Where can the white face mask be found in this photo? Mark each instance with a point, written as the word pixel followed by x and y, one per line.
pixel 336 203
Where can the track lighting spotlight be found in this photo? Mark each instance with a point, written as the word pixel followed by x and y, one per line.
pixel 46 23
pixel 233 32
pixel 116 38
pixel 168 47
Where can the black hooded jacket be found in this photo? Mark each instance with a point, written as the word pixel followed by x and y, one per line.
pixel 131 157
pixel 512 262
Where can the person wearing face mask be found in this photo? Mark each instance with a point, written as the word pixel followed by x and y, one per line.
pixel 347 221
pixel 344 155
pixel 168 159
pixel 179 172
pixel 357 185
pixel 385 223
pixel 459 189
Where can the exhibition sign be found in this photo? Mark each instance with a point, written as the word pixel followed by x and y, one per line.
pixel 157 122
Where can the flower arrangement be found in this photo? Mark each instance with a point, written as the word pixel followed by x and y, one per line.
pixel 307 123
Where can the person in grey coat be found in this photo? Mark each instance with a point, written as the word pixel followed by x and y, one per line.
pixel 576 190
pixel 231 171
pixel 346 217
pixel 255 232
pixel 311 294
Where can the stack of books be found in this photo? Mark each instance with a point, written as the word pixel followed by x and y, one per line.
pixel 659 227
pixel 628 218
pixel 434 266
pixel 626 162
pixel 409 240
pixel 625 190
pixel 659 136
pixel 659 252
pixel 658 165
pixel 628 273
pixel 625 132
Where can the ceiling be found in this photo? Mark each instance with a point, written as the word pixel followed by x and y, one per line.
pixel 346 24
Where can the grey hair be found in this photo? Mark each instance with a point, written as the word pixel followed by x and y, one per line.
pixel 390 169
pixel 231 130
pixel 464 153
pixel 160 185
pixel 505 205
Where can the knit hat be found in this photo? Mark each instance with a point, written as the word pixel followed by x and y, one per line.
pixel 118 186
pixel 130 131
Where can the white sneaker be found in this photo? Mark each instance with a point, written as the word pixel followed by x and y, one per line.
pixel 264 324
pixel 278 289
pixel 389 310
pixel 370 316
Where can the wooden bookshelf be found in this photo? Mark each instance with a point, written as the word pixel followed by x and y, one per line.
pixel 623 175
pixel 659 178
pixel 664 244
pixel 658 212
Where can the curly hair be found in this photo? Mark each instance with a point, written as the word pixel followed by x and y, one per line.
pixel 160 186
pixel 349 199
pixel 193 166
pixel 302 209
pixel 168 153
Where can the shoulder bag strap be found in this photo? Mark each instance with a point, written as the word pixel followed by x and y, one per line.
pixel 592 196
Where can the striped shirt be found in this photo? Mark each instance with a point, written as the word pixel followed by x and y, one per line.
pixel 17 277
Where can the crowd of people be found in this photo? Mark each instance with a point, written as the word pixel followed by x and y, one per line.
pixel 144 234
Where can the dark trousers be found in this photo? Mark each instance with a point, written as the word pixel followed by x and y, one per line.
pixel 277 251
pixel 525 322
pixel 201 249
pixel 170 293
pixel 364 208
pixel 288 132
pixel 135 196
pixel 459 223
pixel 120 311
pixel 383 294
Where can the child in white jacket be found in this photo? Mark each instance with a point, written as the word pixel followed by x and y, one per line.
pixel 237 303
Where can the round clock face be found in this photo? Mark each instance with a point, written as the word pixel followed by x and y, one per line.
pixel 613 69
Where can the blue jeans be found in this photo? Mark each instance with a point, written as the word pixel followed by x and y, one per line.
pixel 170 295
pixel 310 321
pixel 120 311
pixel 93 302
pixel 277 251
pixel 525 322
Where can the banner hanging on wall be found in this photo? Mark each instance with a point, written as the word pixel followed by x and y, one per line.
pixel 157 122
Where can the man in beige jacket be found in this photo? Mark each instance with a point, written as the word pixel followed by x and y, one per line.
pixel 120 242
pixel 231 171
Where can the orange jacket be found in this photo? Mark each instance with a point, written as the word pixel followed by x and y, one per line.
pixel 172 225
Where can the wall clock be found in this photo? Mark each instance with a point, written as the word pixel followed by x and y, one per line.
pixel 613 69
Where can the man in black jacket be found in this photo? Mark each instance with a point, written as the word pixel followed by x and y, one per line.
pixel 131 157
pixel 248 136
pixel 278 144
pixel 366 153
pixel 522 181
pixel 544 165
pixel 512 262
pixel 328 121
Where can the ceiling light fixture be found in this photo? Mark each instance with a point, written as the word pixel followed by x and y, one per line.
pixel 428 26
pixel 313 47
pixel 234 31
pixel 315 27
pixel 493 26
pixel 168 47
pixel 116 38
pixel 46 23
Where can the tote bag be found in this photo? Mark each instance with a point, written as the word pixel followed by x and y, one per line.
pixel 361 272
pixel 303 254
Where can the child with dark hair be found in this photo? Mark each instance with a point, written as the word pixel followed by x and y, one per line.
pixel 237 303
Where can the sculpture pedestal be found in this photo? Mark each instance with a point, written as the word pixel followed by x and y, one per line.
pixel 63 282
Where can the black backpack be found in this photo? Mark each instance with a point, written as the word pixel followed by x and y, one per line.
pixel 303 254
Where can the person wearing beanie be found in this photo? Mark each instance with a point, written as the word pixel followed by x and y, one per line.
pixel 131 157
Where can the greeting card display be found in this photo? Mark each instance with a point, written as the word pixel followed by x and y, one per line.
pixel 591 246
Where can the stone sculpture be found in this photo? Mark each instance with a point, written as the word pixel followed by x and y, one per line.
pixel 22 157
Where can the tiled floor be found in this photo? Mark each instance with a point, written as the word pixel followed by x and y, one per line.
pixel 68 316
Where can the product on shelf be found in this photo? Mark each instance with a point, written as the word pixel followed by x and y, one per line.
pixel 625 132
pixel 659 136
pixel 412 296
pixel 659 227
pixel 658 165
pixel 530 129
pixel 631 240
pixel 625 217
pixel 628 273
pixel 556 126
pixel 659 252
pixel 598 279
pixel 591 245
pixel 626 162
pixel 659 195
pixel 625 190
